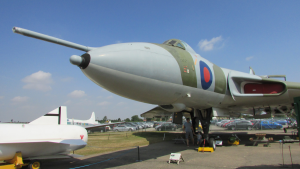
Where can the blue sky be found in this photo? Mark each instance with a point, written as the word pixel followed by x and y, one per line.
pixel 37 77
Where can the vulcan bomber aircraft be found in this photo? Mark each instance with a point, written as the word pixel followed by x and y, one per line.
pixel 177 79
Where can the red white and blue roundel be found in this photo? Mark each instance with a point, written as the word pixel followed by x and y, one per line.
pixel 206 75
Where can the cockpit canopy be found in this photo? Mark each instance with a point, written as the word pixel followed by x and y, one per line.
pixel 180 44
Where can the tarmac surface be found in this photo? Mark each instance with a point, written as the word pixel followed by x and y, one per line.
pixel 157 155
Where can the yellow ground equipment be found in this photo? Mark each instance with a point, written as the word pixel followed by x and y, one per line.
pixel 206 149
pixel 234 140
pixel 17 163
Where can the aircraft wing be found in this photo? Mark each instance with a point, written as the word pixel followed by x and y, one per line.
pixel 101 125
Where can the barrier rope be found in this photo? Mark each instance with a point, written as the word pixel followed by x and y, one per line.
pixel 103 160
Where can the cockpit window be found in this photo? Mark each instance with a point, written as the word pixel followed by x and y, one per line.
pixel 179 45
pixel 172 42
pixel 166 42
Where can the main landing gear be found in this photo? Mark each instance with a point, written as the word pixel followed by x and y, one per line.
pixel 205 117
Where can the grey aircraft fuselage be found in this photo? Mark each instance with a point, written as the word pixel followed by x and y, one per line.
pixel 175 77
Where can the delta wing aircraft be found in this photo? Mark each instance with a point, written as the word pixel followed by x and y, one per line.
pixel 177 79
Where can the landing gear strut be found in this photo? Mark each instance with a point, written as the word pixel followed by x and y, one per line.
pixel 205 117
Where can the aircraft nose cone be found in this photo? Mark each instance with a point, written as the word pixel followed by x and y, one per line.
pixel 76 60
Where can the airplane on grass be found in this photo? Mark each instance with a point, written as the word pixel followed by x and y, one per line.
pixel 47 137
pixel 177 79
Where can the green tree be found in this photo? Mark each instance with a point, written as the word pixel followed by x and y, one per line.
pixel 119 119
pixel 136 118
pixel 104 118
pixel 127 120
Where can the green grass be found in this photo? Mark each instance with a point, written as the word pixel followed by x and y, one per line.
pixel 107 142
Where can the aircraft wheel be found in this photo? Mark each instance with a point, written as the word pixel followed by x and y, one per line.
pixel 34 165
pixel 212 143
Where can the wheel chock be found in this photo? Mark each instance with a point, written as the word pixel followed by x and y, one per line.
pixel 206 149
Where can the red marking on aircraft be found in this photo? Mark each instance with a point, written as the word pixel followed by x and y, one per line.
pixel 81 136
pixel 206 74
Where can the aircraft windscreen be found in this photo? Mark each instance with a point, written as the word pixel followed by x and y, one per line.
pixel 187 47
pixel 180 44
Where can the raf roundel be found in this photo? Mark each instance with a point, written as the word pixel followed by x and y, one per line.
pixel 206 75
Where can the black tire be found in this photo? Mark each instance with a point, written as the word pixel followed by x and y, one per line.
pixel 284 130
pixel 34 165
pixel 212 143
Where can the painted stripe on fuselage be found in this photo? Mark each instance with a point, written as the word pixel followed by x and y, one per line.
pixel 220 80
pixel 186 64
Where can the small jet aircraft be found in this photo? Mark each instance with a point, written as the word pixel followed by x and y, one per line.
pixel 47 137
pixel 177 79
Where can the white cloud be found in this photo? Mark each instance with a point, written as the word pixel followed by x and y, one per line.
pixel 19 99
pixel 105 103
pixel 77 94
pixel 68 102
pixel 121 104
pixel 1 97
pixel 109 97
pixel 249 58
pixel 206 45
pixel 38 81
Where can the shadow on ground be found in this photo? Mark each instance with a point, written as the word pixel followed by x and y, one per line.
pixel 269 166
pixel 152 151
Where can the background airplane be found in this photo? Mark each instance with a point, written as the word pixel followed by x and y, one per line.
pixel 91 124
pixel 173 76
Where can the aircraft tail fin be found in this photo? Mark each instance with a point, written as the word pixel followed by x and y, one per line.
pixel 92 119
pixel 55 117
pixel 251 71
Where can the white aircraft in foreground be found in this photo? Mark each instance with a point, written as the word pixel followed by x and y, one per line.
pixel 47 137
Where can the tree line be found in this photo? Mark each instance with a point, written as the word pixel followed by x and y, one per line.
pixel 134 118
